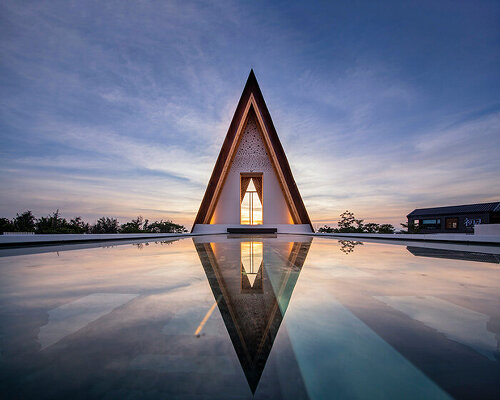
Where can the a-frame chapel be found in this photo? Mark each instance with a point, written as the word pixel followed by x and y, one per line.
pixel 252 189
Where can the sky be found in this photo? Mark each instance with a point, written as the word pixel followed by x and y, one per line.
pixel 119 108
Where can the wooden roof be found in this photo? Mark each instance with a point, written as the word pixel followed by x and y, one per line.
pixel 252 101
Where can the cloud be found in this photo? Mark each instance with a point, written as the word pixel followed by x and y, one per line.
pixel 452 165
pixel 122 108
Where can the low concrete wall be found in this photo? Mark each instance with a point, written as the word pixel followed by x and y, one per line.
pixel 487 229
pixel 27 240
pixel 436 237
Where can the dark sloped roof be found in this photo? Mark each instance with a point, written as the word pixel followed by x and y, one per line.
pixel 463 209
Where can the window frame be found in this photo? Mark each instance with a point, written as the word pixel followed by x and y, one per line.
pixel 259 175
pixel 451 219
pixel 436 224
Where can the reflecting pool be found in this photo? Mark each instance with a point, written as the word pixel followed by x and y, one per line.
pixel 242 317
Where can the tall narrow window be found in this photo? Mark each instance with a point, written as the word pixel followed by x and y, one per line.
pixel 251 200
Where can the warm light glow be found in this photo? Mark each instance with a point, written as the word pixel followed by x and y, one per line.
pixel 251 259
pixel 251 206
pixel 205 319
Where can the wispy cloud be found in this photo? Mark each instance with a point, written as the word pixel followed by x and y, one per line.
pixel 121 108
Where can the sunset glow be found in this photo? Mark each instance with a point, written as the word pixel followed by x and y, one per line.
pixel 124 114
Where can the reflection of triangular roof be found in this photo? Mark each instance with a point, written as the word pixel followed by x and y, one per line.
pixel 252 102
pixel 252 329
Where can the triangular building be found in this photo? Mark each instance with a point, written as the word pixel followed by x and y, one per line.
pixel 252 188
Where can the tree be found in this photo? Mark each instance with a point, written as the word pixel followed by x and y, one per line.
pixel 24 222
pixel 346 221
pixel 327 229
pixel 166 227
pixel 359 225
pixel 77 225
pixel 411 228
pixel 6 225
pixel 105 225
pixel 386 228
pixel 52 224
pixel 135 226
pixel 346 225
pixel 371 227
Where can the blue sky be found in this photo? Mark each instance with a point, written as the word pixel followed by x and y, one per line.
pixel 120 108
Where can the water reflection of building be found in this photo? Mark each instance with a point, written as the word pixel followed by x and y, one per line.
pixel 454 254
pixel 252 283
pixel 252 261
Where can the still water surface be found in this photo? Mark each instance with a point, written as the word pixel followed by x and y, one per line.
pixel 219 317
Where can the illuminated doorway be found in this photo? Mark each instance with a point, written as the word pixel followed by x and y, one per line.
pixel 251 199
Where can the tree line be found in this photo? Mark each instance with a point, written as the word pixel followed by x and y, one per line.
pixel 54 223
pixel 349 224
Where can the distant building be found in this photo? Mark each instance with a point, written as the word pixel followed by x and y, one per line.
pixel 454 219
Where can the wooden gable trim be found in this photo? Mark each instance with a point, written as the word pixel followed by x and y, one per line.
pixel 232 152
pixel 227 165
pixel 252 98
pixel 276 165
